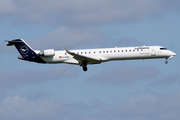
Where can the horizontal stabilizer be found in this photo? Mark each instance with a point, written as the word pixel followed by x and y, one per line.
pixel 10 43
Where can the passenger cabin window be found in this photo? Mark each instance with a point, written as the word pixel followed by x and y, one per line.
pixel 163 48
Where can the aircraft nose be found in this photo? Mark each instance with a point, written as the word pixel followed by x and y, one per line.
pixel 171 53
pixel 174 54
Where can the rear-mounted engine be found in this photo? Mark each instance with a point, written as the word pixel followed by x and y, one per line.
pixel 48 53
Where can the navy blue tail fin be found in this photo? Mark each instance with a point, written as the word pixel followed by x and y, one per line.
pixel 27 53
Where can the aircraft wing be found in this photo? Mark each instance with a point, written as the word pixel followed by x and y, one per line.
pixel 81 59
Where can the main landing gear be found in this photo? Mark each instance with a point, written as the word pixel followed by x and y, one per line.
pixel 84 66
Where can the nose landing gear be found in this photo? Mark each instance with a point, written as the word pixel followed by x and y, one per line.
pixel 166 61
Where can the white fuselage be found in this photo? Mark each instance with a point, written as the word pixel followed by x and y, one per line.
pixel 108 54
pixel 83 57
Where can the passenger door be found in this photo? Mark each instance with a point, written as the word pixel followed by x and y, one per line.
pixel 153 52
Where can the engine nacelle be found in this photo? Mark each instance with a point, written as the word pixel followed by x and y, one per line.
pixel 48 52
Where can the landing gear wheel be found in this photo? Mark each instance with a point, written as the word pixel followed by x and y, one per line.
pixel 166 62
pixel 84 67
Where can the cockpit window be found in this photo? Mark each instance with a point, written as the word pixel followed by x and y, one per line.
pixel 163 48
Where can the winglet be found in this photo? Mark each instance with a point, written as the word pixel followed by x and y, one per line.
pixel 66 49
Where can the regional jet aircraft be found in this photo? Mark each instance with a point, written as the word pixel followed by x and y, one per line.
pixel 84 57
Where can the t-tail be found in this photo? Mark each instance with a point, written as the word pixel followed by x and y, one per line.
pixel 27 53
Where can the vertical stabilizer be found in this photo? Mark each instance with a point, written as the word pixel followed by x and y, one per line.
pixel 27 53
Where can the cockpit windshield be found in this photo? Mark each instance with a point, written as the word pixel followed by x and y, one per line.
pixel 163 48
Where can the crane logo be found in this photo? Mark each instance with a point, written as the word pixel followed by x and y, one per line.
pixel 24 50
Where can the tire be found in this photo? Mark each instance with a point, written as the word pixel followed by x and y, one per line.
pixel 84 67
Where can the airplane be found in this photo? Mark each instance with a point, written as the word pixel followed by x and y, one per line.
pixel 84 57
